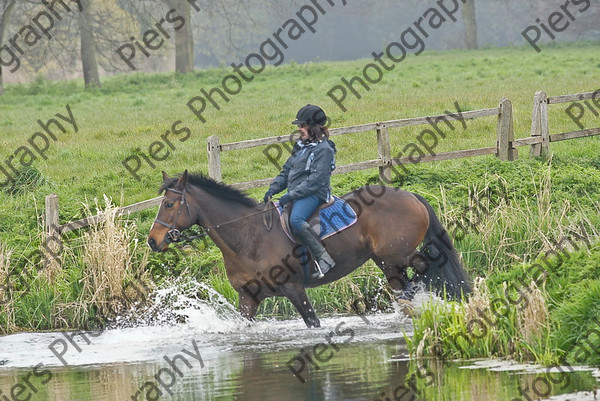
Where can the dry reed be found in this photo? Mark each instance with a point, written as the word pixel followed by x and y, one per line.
pixel 108 256
pixel 6 301
pixel 533 317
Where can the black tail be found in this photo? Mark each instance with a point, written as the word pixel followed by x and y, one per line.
pixel 445 271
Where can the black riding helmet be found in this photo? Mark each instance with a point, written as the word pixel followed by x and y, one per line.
pixel 311 115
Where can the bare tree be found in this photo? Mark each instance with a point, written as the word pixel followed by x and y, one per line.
pixel 7 9
pixel 145 11
pixel 184 38
pixel 470 20
pixel 89 61
pixel 85 36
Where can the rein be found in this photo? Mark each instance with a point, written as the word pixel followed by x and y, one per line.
pixel 174 235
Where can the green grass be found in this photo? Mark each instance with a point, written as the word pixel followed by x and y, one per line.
pixel 132 111
pixel 573 290
pixel 570 286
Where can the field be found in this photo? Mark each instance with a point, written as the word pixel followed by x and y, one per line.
pixel 546 198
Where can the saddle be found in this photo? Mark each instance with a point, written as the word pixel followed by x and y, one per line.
pixel 329 219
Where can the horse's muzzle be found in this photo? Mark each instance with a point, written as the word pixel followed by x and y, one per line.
pixel 154 246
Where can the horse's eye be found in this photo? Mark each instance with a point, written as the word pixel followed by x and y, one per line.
pixel 169 205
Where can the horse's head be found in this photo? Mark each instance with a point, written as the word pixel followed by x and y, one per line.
pixel 174 214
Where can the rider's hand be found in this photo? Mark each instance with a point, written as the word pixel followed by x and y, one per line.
pixel 284 199
pixel 267 196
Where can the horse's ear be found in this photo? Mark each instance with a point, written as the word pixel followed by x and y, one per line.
pixel 183 181
pixel 165 176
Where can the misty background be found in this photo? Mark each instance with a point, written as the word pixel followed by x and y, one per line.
pixel 226 31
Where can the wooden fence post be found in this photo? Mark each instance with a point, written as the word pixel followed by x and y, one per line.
pixel 539 124
pixel 505 134
pixel 383 148
pixel 52 238
pixel 214 158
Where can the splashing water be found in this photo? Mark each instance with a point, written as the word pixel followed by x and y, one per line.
pixel 184 310
pixel 186 301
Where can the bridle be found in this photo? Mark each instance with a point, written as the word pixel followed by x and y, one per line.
pixel 174 235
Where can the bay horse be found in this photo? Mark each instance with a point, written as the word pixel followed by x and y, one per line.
pixel 262 263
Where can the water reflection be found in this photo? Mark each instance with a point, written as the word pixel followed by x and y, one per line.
pixel 243 361
pixel 358 371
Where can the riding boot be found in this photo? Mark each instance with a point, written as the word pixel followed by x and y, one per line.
pixel 322 258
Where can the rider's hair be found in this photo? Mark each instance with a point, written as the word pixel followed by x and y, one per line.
pixel 317 132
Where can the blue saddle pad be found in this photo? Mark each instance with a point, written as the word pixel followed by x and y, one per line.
pixel 331 219
pixel 335 218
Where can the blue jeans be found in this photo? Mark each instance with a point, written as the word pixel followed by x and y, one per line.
pixel 302 209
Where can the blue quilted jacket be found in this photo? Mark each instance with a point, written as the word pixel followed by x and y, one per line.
pixel 307 171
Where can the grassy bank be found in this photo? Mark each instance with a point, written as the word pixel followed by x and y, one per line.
pixel 542 199
pixel 510 316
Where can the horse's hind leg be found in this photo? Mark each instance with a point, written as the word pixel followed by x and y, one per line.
pixel 397 275
pixel 297 295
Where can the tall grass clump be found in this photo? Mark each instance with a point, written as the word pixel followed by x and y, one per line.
pixel 109 261
pixel 483 326
pixel 89 283
pixel 27 180
pixel 7 316
pixel 577 325
pixel 553 320
pixel 573 283
pixel 511 218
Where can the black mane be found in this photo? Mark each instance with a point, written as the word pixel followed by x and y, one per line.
pixel 213 187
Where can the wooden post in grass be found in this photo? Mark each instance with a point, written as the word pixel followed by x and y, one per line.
pixel 505 134
pixel 383 147
pixel 214 158
pixel 52 239
pixel 539 125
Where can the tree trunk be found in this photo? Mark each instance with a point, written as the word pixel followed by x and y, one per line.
pixel 88 48
pixel 469 18
pixel 184 40
pixel 8 9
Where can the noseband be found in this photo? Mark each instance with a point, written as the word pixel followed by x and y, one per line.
pixel 173 235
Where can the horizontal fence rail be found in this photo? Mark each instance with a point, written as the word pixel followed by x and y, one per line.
pixel 93 220
pixel 539 121
pixel 385 160
pixel 505 149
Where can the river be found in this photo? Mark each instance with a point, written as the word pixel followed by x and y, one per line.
pixel 216 355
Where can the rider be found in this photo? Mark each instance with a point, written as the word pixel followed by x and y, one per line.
pixel 306 175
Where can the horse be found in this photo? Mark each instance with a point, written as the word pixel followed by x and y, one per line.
pixel 262 262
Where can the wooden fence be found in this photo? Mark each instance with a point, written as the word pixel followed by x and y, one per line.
pixel 504 146
pixel 539 122
pixel 505 149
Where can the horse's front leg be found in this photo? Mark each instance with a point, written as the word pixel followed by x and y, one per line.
pixel 249 304
pixel 297 295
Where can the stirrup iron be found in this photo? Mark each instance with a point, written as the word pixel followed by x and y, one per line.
pixel 319 273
